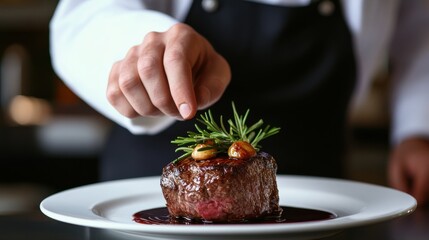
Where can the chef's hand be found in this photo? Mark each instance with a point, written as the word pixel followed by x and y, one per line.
pixel 171 73
pixel 409 168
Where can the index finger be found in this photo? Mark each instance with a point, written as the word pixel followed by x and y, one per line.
pixel 182 52
pixel 179 74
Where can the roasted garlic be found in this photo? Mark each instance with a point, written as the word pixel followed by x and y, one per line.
pixel 241 150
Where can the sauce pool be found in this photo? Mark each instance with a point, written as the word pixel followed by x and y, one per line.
pixel 160 216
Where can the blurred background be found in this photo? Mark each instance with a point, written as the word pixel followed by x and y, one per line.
pixel 50 140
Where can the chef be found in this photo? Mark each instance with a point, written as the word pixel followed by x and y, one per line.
pixel 150 66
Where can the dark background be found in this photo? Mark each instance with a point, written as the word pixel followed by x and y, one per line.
pixel 24 37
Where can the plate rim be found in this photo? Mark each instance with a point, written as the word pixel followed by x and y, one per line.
pixel 336 224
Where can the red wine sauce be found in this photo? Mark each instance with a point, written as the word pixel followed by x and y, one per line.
pixel 289 215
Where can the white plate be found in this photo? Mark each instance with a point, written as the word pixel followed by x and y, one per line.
pixel 110 205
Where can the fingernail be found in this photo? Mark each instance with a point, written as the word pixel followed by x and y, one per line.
pixel 184 110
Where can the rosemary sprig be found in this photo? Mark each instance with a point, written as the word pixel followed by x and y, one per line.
pixel 222 137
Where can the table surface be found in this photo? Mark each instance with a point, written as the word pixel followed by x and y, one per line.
pixel 36 226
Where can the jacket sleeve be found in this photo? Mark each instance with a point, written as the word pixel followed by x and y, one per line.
pixel 410 71
pixel 87 37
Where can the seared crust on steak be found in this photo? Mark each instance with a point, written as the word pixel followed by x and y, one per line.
pixel 222 189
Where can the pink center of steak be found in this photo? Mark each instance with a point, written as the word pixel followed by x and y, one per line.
pixel 214 209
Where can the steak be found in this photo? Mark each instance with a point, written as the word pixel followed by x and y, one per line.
pixel 221 189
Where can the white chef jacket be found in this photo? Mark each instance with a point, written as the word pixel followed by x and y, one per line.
pixel 87 37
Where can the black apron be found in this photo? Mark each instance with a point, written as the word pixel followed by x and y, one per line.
pixel 292 66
